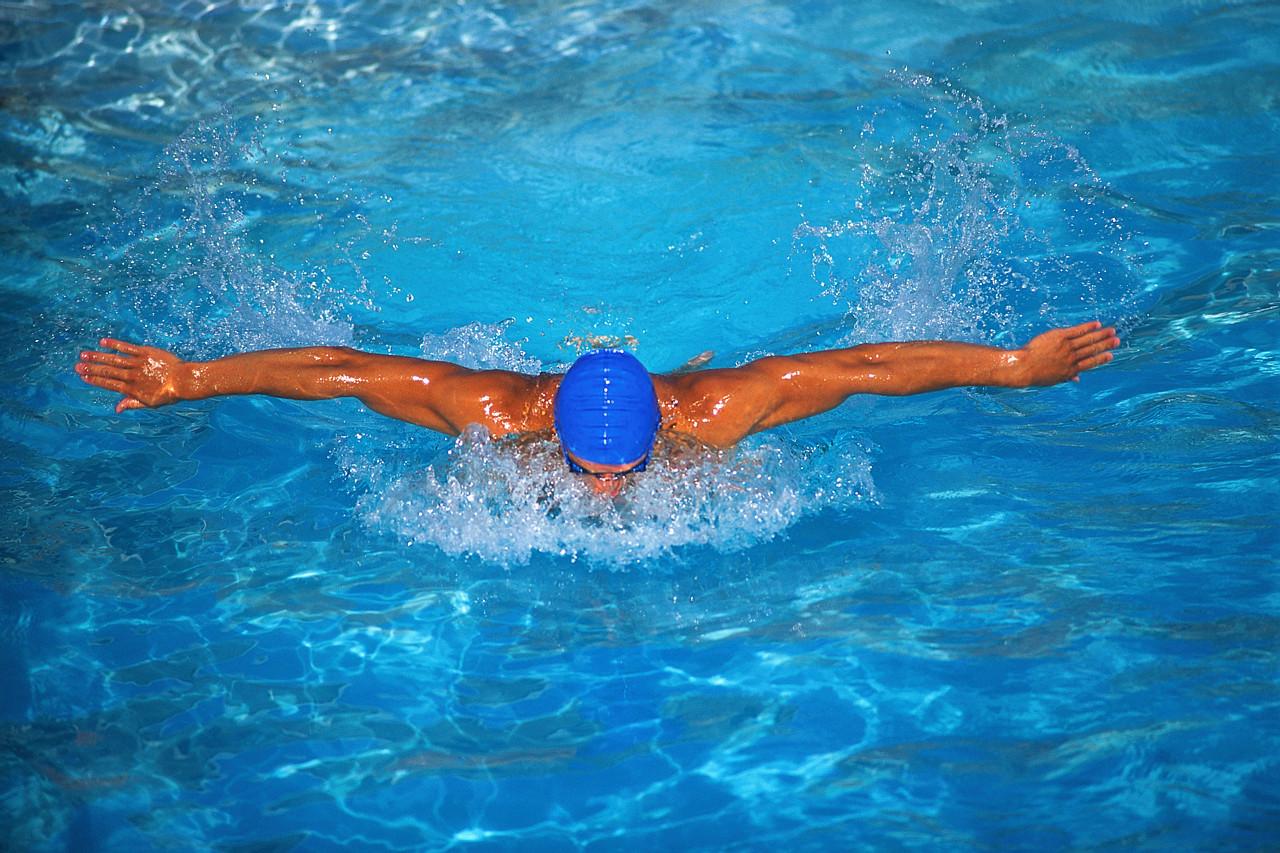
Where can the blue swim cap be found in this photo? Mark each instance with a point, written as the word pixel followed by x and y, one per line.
pixel 606 410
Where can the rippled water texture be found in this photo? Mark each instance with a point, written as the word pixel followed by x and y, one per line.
pixel 974 619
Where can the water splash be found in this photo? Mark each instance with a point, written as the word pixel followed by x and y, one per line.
pixel 505 501
pixel 192 269
pixel 962 224
pixel 482 346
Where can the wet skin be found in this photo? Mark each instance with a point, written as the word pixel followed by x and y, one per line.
pixel 717 407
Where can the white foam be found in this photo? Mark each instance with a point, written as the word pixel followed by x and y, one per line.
pixel 507 500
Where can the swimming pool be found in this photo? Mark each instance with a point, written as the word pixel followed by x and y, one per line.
pixel 974 619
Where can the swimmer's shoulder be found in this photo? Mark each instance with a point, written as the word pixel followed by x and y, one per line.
pixel 502 401
pixel 694 405
pixel 538 395
pixel 696 386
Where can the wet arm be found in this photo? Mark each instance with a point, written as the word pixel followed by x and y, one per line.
pixel 414 390
pixel 779 390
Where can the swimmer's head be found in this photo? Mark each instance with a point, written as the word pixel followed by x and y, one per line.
pixel 606 411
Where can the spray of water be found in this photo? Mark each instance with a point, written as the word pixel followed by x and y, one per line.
pixel 482 346
pixel 194 273
pixel 960 224
pixel 506 500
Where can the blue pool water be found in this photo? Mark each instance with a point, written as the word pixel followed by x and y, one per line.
pixel 970 620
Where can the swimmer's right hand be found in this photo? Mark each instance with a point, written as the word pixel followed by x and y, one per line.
pixel 146 376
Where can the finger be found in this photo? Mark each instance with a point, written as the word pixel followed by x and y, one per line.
pixel 1095 335
pixel 106 358
pixel 103 370
pixel 1091 349
pixel 1096 361
pixel 1107 334
pixel 129 403
pixel 109 384
pixel 122 346
pixel 1083 328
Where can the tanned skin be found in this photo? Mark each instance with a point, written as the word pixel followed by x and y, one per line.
pixel 718 407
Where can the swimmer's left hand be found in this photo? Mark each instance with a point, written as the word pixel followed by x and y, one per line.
pixel 146 376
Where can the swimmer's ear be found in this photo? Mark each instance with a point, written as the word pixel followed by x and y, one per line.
pixel 694 363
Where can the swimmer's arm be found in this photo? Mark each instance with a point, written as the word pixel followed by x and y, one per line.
pixel 778 390
pixel 434 394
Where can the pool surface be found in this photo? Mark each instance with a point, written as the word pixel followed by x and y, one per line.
pixel 972 620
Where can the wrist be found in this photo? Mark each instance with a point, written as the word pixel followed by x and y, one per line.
pixel 189 380
pixel 1015 371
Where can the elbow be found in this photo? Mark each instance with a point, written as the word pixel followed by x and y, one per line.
pixel 335 356
pixel 869 356
pixel 341 365
pixel 336 372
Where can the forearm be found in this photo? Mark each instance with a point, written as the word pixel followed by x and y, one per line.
pixel 411 389
pixel 815 382
pixel 1057 355
pixel 310 373
pixel 918 367
pixel 790 388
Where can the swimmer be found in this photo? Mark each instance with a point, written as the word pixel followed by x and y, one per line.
pixel 607 409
